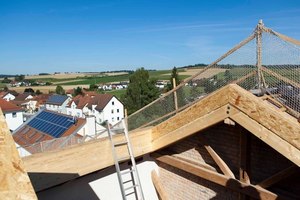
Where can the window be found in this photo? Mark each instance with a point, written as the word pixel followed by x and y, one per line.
pixel 14 114
pixel 118 118
pixel 112 119
pixel 118 110
pixel 112 111
pixel 112 103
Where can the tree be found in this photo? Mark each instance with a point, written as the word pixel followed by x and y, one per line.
pixel 6 80
pixel 174 74
pixel 93 87
pixel 20 78
pixel 38 92
pixel 59 90
pixel 29 90
pixel 140 92
pixel 78 91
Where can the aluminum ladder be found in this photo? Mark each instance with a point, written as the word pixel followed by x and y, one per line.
pixel 129 180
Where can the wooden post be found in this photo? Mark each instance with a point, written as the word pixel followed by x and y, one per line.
pixel 259 29
pixel 175 95
pixel 126 117
pixel 245 149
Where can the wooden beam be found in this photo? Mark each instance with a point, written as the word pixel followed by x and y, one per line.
pixel 267 136
pixel 222 165
pixel 279 123
pixel 278 176
pixel 82 159
pixel 220 179
pixel 158 186
pixel 245 155
pixel 209 104
pixel 14 181
pixel 190 128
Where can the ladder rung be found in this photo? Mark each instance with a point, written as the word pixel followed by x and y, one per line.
pixel 117 129
pixel 127 181
pixel 127 172
pixel 130 193
pixel 122 159
pixel 133 186
pixel 120 143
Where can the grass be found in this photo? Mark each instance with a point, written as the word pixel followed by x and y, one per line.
pixel 117 93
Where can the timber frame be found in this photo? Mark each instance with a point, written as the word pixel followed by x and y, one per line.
pixel 262 119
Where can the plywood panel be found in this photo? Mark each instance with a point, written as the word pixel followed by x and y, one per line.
pixel 14 181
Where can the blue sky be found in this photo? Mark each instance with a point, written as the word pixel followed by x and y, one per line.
pixel 84 35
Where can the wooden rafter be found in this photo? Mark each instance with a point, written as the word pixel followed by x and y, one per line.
pixel 218 160
pixel 158 186
pixel 278 176
pixel 220 179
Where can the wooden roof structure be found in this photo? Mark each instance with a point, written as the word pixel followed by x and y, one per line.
pixel 264 120
pixel 14 181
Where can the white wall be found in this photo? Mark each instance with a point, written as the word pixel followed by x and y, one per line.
pixel 60 109
pixel 74 111
pixel 9 97
pixel 114 104
pixel 15 121
pixel 102 185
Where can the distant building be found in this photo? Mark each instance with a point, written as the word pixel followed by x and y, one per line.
pixel 48 130
pixel 7 96
pixel 102 106
pixel 58 103
pixel 13 114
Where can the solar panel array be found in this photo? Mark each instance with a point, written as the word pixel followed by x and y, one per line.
pixel 52 124
pixel 57 99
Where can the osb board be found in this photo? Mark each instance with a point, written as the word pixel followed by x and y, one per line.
pixel 263 112
pixel 63 165
pixel 196 125
pixel 14 181
pixel 204 106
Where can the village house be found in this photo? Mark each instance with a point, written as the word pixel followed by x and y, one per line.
pixel 13 114
pixel 48 130
pixel 102 106
pixel 8 96
pixel 58 103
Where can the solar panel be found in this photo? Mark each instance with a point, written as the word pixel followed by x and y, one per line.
pixel 57 99
pixel 50 123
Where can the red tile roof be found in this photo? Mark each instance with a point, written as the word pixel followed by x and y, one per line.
pixel 100 100
pixel 22 97
pixel 31 138
pixel 7 106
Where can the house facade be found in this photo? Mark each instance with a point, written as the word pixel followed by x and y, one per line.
pixel 13 114
pixel 102 106
pixel 58 103
pixel 7 96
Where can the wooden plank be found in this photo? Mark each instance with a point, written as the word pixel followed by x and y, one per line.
pixel 220 179
pixel 14 181
pixel 267 136
pixel 158 186
pixel 201 108
pixel 279 123
pixel 190 128
pixel 80 159
pixel 222 165
pixel 279 176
